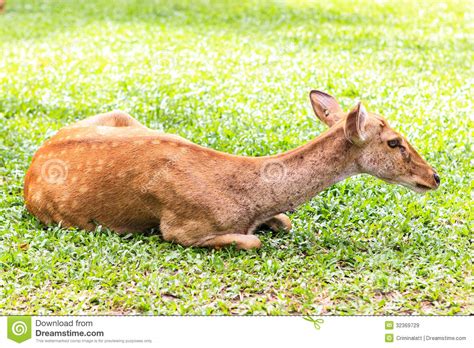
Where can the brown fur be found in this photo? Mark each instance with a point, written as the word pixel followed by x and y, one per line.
pixel 113 171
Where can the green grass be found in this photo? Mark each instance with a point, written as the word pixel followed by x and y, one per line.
pixel 235 76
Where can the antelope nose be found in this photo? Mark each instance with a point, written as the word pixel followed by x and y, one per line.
pixel 436 178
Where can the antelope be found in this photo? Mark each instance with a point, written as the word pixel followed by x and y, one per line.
pixel 111 170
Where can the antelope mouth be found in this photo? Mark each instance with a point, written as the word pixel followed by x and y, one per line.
pixel 417 187
pixel 423 187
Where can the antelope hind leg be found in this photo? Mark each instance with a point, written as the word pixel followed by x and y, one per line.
pixel 279 222
pixel 115 118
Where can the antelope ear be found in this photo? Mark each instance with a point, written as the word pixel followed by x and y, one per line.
pixel 354 128
pixel 325 107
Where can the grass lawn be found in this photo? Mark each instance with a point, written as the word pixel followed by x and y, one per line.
pixel 235 76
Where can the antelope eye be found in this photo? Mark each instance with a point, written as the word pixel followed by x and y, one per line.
pixel 393 143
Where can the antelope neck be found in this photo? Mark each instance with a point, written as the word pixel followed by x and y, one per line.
pixel 306 170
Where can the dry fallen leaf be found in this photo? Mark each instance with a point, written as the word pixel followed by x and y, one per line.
pixel 24 246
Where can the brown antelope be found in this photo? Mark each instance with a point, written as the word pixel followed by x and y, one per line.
pixel 111 170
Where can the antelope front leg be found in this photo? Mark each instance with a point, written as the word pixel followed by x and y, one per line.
pixel 279 222
pixel 242 241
